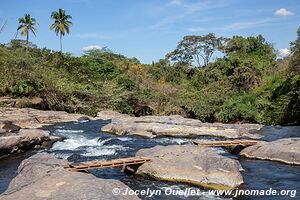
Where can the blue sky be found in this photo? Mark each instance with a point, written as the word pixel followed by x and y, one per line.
pixel 148 29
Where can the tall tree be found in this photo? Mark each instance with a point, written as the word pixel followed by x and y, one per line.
pixel 26 25
pixel 295 49
pixel 193 49
pixel 295 46
pixel 61 24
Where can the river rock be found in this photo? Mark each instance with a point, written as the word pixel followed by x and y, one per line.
pixel 42 177
pixel 175 126
pixel 52 139
pixel 283 150
pixel 22 140
pixel 191 164
pixel 18 128
pixel 7 127
pixel 109 114
pixel 32 118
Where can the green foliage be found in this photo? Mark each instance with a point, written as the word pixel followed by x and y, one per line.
pixel 27 25
pixel 295 46
pixel 239 107
pixel 108 70
pixel 195 49
pixel 246 85
pixel 61 24
pixel 126 83
pixel 15 44
pixel 282 105
pixel 22 89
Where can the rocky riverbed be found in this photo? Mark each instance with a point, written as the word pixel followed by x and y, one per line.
pixel 42 177
pixel 191 164
pixel 174 126
pixel 19 128
pixel 285 150
pixel 174 159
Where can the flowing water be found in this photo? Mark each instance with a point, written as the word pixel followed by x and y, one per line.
pixel 84 142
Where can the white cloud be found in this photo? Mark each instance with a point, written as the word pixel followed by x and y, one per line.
pixel 283 12
pixel 284 52
pixel 91 47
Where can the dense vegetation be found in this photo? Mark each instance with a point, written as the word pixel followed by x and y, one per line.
pixel 246 84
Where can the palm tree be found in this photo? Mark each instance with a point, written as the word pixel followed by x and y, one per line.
pixel 61 24
pixel 27 24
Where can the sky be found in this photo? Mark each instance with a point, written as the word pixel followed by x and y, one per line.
pixel 148 29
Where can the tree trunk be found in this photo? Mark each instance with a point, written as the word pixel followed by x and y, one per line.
pixel 60 37
pixel 27 43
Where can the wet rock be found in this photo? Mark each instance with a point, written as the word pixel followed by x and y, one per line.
pixel 84 118
pixel 51 141
pixel 191 164
pixel 43 177
pixel 175 126
pixel 283 150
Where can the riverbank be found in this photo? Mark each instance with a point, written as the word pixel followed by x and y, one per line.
pixel 83 142
pixel 19 127
pixel 174 126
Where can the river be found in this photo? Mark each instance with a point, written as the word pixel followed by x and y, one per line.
pixel 84 142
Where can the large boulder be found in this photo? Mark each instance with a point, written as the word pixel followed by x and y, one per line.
pixel 20 119
pixel 191 164
pixel 18 128
pixel 32 118
pixel 42 177
pixel 175 126
pixel 22 140
pixel 283 150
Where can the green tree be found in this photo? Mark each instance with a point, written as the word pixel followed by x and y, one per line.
pixel 295 46
pixel 26 25
pixel 61 24
pixel 241 46
pixel 16 43
pixel 193 49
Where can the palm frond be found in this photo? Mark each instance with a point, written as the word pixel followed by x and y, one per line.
pixel 61 23
pixel 22 20
pixel 33 32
